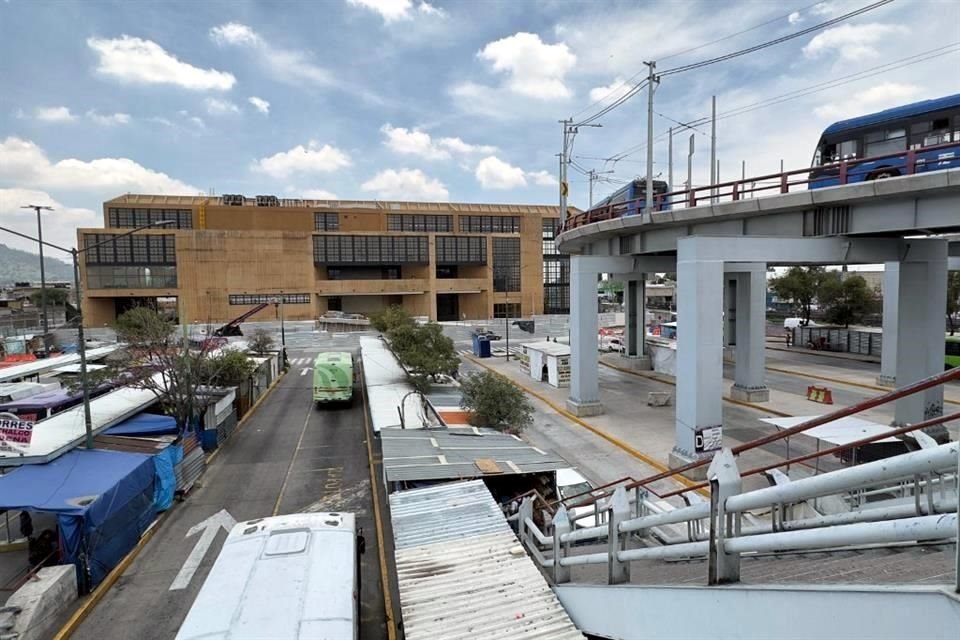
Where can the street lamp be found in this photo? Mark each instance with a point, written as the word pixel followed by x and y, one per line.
pixel 278 308
pixel 75 255
pixel 43 276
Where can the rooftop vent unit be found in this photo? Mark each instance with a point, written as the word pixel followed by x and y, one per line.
pixel 233 199
pixel 268 201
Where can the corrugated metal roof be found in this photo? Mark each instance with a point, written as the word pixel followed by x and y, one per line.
pixel 462 573
pixel 37 367
pixel 387 386
pixel 438 454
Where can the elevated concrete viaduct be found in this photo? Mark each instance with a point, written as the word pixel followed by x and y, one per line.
pixel 721 251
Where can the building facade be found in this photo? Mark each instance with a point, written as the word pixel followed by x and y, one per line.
pixel 221 255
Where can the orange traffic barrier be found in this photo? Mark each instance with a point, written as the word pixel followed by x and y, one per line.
pixel 823 395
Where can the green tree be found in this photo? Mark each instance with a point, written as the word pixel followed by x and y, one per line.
pixel 227 368
pixel 261 341
pixel 390 318
pixel 800 285
pixel 953 299
pixel 845 300
pixel 496 402
pixel 55 298
pixel 424 350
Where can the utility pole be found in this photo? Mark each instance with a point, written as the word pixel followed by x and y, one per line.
pixel 564 187
pixel 44 322
pixel 592 175
pixel 713 147
pixel 690 163
pixel 651 81
pixel 670 160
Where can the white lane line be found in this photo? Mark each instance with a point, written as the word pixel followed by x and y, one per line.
pixel 304 371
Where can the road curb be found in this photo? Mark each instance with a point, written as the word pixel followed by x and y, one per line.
pixel 389 613
pixel 87 607
pixel 639 455
pixel 673 383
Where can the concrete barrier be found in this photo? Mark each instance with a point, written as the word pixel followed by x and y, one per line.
pixel 33 610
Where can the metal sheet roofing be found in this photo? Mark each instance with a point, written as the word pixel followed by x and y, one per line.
pixel 462 573
pixel 37 367
pixel 439 454
pixel 386 387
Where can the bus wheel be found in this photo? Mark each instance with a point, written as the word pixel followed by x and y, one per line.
pixel 883 174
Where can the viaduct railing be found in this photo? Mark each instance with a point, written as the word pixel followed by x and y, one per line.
pixel 844 172
pixel 911 497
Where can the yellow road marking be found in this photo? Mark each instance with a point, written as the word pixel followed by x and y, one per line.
pixel 384 578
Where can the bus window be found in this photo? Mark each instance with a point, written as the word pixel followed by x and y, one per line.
pixel 879 143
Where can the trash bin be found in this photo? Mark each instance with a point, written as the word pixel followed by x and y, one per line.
pixel 481 346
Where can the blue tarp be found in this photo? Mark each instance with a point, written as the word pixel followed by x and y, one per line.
pixel 164 464
pixel 144 424
pixel 104 501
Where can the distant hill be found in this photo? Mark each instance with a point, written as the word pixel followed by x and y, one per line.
pixel 23 266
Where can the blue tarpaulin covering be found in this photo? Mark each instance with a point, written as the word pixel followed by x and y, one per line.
pixel 164 464
pixel 144 424
pixel 104 501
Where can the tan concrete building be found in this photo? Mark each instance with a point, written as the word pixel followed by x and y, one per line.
pixel 223 254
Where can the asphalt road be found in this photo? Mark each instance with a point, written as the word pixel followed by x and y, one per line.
pixel 288 457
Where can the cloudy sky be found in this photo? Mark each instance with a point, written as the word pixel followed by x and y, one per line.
pixel 407 99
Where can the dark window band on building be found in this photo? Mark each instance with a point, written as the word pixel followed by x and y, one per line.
pixel 490 224
pixel 506 264
pixel 131 277
pixel 323 221
pixel 556 271
pixel 419 222
pixel 506 310
pixel 143 249
pixel 461 250
pixel 268 298
pixel 371 250
pixel 130 218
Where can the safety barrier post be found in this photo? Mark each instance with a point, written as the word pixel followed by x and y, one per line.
pixel 618 571
pixel 724 477
pixel 911 162
pixel 843 172
pixel 561 526
pixel 784 183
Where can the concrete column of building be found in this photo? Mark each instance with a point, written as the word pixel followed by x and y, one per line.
pixel 891 301
pixel 699 400
pixel 922 303
pixel 584 397
pixel 730 282
pixel 751 335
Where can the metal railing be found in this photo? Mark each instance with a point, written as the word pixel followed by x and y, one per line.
pixel 844 172
pixel 908 497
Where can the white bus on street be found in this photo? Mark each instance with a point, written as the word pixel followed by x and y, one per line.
pixel 285 578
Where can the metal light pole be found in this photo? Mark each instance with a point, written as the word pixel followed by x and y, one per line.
pixel 43 275
pixel 690 163
pixel 652 81
pixel 82 348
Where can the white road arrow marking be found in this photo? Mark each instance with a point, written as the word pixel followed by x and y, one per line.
pixel 304 371
pixel 210 527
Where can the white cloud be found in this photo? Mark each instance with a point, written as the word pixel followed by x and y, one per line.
pixel 795 18
pixel 876 98
pixel 533 68
pixel 494 173
pixel 313 158
pixel 288 65
pixel 218 107
pixel 406 184
pixel 542 178
pixel 24 163
pixel 139 61
pixel 318 194
pixel 394 10
pixel 259 104
pixel 109 119
pixel 54 114
pixel 420 143
pixel 852 42
pixel 611 92
pixel 59 225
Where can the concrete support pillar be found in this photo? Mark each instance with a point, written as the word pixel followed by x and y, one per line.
pixel 751 336
pixel 891 301
pixel 922 305
pixel 635 311
pixel 584 399
pixel 699 412
pixel 729 310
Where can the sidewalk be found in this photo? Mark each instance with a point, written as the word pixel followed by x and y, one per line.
pixel 777 344
pixel 648 433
